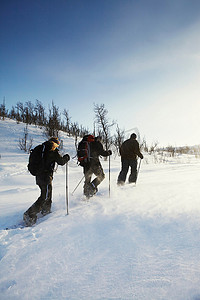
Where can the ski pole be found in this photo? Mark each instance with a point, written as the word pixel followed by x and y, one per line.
pixel 67 194
pixel 138 169
pixel 109 175
pixel 78 184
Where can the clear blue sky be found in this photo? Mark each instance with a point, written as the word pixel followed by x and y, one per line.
pixel 140 58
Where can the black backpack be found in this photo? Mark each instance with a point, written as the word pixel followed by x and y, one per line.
pixel 83 152
pixel 36 160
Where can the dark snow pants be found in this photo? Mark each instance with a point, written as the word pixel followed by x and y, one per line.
pixel 90 169
pixel 43 203
pixel 125 164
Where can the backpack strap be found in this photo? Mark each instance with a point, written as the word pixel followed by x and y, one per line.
pixel 43 149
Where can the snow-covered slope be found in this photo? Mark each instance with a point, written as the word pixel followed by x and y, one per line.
pixel 140 243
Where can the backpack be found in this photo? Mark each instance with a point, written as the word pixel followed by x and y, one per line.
pixel 83 152
pixel 36 160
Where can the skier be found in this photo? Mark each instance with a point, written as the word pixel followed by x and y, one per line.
pixel 129 152
pixel 44 181
pixel 93 166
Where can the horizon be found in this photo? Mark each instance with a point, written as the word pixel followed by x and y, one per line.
pixel 127 136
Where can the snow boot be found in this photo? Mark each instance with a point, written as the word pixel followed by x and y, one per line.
pixel 45 211
pixel 46 208
pixel 29 221
pixel 120 182
pixel 90 190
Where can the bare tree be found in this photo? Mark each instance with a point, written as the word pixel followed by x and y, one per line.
pixel 53 123
pixel 28 112
pixel 119 138
pixel 103 123
pixel 39 117
pixel 143 145
pixel 153 147
pixel 20 112
pixel 12 114
pixel 67 118
pixel 23 143
pixel 3 111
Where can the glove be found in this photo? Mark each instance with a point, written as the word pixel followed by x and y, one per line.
pixel 109 152
pixel 66 158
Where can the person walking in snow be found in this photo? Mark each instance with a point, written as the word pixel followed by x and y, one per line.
pixel 44 181
pixel 93 166
pixel 129 151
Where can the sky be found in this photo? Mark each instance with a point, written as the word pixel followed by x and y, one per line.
pixel 141 59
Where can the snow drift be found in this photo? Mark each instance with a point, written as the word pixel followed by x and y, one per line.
pixel 142 242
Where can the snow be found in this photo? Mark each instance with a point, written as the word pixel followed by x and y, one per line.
pixel 142 242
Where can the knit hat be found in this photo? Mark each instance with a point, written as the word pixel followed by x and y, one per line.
pixel 55 140
pixel 133 136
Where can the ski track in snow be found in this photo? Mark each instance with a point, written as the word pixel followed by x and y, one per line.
pixel 142 242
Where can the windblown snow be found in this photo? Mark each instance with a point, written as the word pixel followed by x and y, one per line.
pixel 141 242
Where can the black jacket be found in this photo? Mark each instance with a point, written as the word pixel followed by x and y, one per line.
pixel 130 149
pixel 50 158
pixel 96 150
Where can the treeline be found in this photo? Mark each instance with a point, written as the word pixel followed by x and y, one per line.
pixel 54 121
pixel 35 114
